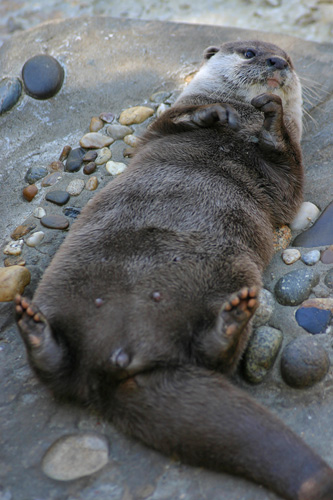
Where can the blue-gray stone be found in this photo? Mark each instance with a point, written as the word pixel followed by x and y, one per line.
pixel 329 279
pixel 295 287
pixel 34 174
pixel 75 159
pixel 42 76
pixel 311 258
pixel 58 197
pixel 320 234
pixel 10 92
pixel 313 320
pixel 72 212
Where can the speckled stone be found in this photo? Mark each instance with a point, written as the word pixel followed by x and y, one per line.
pixel 118 131
pixel 30 192
pixel 313 319
pixel 329 279
pixel 115 168
pixel 320 234
pixel 21 231
pixel 265 309
pixel 131 140
pixel 103 156
pixel 54 222
pixel 95 140
pixel 58 197
pixel 10 92
pixel 13 248
pixel 39 212
pixel 89 168
pixel 51 179
pixel 75 187
pixel 42 76
pixel 107 117
pixel 72 212
pixel 92 184
pixel 65 152
pixel 311 258
pixel 327 255
pixel 261 353
pixel 56 166
pixel 296 286
pixel 96 124
pixel 35 239
pixel 75 456
pixel 291 255
pixel 13 280
pixel 281 237
pixel 137 114
pixel 304 362
pixel 34 174
pixel 75 159
pixel 305 217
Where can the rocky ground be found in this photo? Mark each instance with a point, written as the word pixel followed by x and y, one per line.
pixel 288 364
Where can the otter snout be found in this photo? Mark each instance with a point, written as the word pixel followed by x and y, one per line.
pixel 277 62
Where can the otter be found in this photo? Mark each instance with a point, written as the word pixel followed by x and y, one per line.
pixel 146 308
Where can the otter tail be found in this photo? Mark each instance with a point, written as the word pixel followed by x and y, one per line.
pixel 199 416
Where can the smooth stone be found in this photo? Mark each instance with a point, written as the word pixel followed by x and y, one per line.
pixel 58 197
pixel 161 109
pixel 72 212
pixel 10 92
pixel 305 217
pixel 30 192
pixel 90 155
pixel 304 362
pixel 311 258
pixel 296 286
pixel 137 114
pixel 13 280
pixel 51 179
pixel 320 234
pixel 131 140
pixel 160 97
pixel 96 124
pixel 13 248
pixel 265 309
pixel 261 353
pixel 107 117
pixel 21 231
pixel 75 456
pixel 329 279
pixel 313 320
pixel 54 222
pixel 56 166
pixel 92 184
pixel 115 168
pixel 39 212
pixel 75 187
pixel 118 131
pixel 281 237
pixel 75 159
pixel 64 153
pixel 291 255
pixel 14 261
pixel 320 303
pixel 103 156
pixel 95 140
pixel 35 239
pixel 42 76
pixel 89 168
pixel 34 174
pixel 327 255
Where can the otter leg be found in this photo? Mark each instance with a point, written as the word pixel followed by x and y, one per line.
pixel 44 352
pixel 271 135
pixel 199 416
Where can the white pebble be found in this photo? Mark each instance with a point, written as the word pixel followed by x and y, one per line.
pixel 39 212
pixel 103 156
pixel 75 187
pixel 305 217
pixel 291 255
pixel 162 107
pixel 115 168
pixel 311 258
pixel 35 239
pixel 13 247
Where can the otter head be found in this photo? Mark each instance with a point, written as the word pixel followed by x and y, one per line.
pixel 244 69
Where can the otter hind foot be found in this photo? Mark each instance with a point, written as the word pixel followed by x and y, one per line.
pixel 44 352
pixel 238 310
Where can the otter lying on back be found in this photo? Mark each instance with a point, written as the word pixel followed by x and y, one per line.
pixel 146 318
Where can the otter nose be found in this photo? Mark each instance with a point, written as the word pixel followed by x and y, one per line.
pixel 277 62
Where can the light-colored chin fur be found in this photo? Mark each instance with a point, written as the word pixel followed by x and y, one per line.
pixel 223 77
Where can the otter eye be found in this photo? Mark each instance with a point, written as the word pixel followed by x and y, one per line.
pixel 249 54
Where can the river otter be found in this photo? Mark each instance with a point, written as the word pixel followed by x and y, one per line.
pixel 147 306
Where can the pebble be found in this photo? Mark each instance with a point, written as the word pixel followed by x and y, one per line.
pixel 35 239
pixel 65 152
pixel 10 92
pixel 39 212
pixel 295 287
pixel 89 168
pixel 90 155
pixel 137 114
pixel 51 179
pixel 21 231
pixel 160 110
pixel 42 76
pixel 72 212
pixel 118 131
pixel 327 255
pixel 329 279
pixel 74 456
pixel 54 222
pixel 95 140
pixel 96 124
pixel 311 258
pixel 13 280
pixel 160 97
pixel 281 237
pixel 75 187
pixel 129 152
pixel 14 261
pixel 92 184
pixel 34 174
pixel 58 197
pixel 305 217
pixel 313 319
pixel 107 117
pixel 319 303
pixel 13 248
pixel 56 166
pixel 115 168
pixel 265 309
pixel 304 362
pixel 131 140
pixel 261 353
pixel 291 255
pixel 30 192
pixel 103 156
pixel 75 159
pixel 320 234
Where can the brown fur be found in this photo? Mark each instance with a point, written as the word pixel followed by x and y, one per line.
pixel 149 300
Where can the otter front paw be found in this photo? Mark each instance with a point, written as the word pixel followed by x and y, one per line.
pixel 213 114
pixel 273 129
pixel 267 103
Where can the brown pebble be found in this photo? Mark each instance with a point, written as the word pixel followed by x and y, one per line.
pixel 90 156
pixel 55 222
pixel 16 261
pixel 128 152
pixel 89 168
pixel 30 192
pixel 64 153
pixel 56 166
pixel 51 179
pixel 21 231
pixel 327 255
pixel 107 117
pixel 96 124
pixel 91 183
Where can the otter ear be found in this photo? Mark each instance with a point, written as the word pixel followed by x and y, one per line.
pixel 210 51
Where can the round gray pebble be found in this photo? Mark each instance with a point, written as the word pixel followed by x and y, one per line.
pixel 311 258
pixel 34 174
pixel 42 76
pixel 261 353
pixel 296 286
